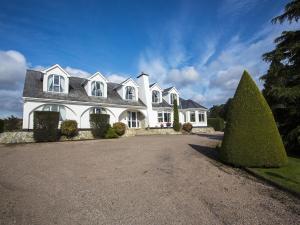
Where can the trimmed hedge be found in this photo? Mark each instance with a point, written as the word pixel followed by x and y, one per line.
pixel 45 126
pixel 111 133
pixel 12 123
pixel 176 125
pixel 216 123
pixel 99 124
pixel 120 128
pixel 1 125
pixel 187 127
pixel 251 138
pixel 69 128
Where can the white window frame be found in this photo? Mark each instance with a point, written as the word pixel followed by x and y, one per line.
pixel 201 116
pixel 98 92
pixel 155 96
pixel 194 113
pixel 131 121
pixel 173 96
pixel 60 88
pixel 162 116
pixel 97 110
pixel 130 95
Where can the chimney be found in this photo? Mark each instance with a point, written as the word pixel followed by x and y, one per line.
pixel 145 95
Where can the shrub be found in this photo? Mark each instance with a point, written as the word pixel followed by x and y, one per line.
pixel 187 127
pixel 45 126
pixel 120 128
pixel 1 125
pixel 12 123
pixel 111 133
pixel 176 125
pixel 69 128
pixel 99 124
pixel 251 138
pixel 216 123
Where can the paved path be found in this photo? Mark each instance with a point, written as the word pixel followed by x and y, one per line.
pixel 137 180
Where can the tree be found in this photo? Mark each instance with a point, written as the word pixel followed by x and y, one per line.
pixel 176 125
pixel 251 138
pixel 220 110
pixel 282 80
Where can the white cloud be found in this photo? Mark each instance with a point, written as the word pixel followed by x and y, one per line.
pixel 12 70
pixel 77 72
pixel 183 76
pixel 116 78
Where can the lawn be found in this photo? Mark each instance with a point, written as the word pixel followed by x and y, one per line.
pixel 288 176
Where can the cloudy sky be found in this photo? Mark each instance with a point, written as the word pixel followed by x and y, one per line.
pixel 201 47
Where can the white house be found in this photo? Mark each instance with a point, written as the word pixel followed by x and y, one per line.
pixel 133 102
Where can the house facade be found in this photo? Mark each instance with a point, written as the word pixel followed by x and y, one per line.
pixel 133 102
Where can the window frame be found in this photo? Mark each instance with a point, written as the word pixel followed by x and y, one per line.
pixel 55 85
pixel 194 115
pixel 58 109
pixel 162 118
pixel 201 116
pixel 94 89
pixel 172 97
pixel 132 94
pixel 157 96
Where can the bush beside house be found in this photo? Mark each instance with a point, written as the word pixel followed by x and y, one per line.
pixel 12 123
pixel 120 128
pixel 99 124
pixel 69 128
pixel 217 123
pixel 176 125
pixel 251 138
pixel 111 133
pixel 187 127
pixel 45 126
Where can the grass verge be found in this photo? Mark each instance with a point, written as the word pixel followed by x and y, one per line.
pixel 287 177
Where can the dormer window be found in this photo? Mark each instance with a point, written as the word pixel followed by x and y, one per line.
pixel 97 88
pixel 56 83
pixel 172 98
pixel 130 93
pixel 155 96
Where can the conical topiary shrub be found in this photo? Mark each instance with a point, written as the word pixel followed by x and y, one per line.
pixel 251 138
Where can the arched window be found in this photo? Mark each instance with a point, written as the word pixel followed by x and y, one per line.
pixel 97 110
pixel 173 97
pixel 155 96
pixel 130 93
pixel 97 88
pixel 56 83
pixel 56 108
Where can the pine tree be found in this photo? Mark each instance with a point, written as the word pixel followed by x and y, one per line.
pixel 251 138
pixel 282 80
pixel 176 125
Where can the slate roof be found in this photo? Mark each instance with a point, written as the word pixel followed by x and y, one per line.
pixel 33 87
pixel 189 104
pixel 167 89
pixel 183 104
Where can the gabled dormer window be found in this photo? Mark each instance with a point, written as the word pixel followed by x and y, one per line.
pixel 56 83
pixel 97 88
pixel 172 98
pixel 130 93
pixel 155 96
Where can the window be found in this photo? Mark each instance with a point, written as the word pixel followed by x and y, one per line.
pixel 201 117
pixel 130 93
pixel 164 117
pixel 56 108
pixel 173 97
pixel 192 117
pixel 97 88
pixel 56 83
pixel 155 96
pixel 97 110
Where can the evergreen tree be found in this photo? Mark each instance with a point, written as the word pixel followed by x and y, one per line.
pixel 251 138
pixel 282 80
pixel 176 125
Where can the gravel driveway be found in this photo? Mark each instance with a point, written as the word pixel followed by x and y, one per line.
pixel 137 180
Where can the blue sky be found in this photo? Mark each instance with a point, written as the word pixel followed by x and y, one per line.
pixel 201 47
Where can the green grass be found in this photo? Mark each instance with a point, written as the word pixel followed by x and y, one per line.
pixel 287 176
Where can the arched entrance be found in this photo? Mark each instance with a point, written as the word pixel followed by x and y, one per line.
pixel 133 118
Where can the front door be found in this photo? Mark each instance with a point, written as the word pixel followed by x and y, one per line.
pixel 132 119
